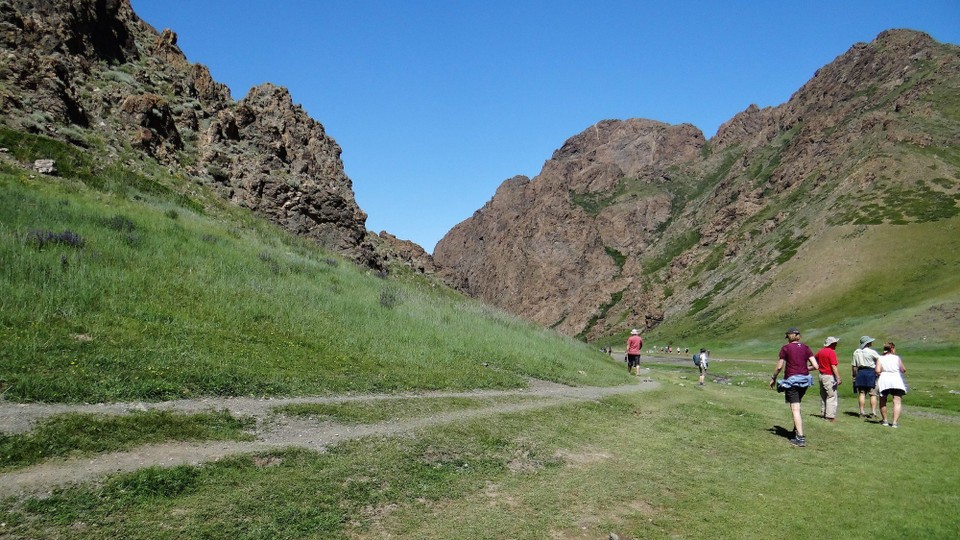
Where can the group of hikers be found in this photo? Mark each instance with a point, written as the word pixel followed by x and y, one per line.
pixel 635 345
pixel 876 377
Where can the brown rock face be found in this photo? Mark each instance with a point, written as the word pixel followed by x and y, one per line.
pixel 94 66
pixel 551 248
pixel 633 223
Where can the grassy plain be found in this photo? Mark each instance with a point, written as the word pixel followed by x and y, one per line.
pixel 679 461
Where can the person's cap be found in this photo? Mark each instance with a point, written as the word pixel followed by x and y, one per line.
pixel 634 332
pixel 793 330
pixel 830 341
pixel 703 350
pixel 866 340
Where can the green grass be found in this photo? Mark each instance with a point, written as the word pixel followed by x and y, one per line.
pixel 672 248
pixel 161 302
pixel 370 412
pixel 678 462
pixel 82 434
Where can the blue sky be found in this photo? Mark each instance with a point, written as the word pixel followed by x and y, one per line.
pixel 436 103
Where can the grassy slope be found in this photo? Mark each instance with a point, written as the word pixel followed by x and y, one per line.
pixel 161 302
pixel 839 284
pixel 842 285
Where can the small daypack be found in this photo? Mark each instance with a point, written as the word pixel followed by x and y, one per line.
pixel 696 359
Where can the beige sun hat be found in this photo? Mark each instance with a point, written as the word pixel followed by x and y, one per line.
pixel 830 341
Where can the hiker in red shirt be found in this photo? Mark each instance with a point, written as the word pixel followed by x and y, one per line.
pixel 829 378
pixel 634 344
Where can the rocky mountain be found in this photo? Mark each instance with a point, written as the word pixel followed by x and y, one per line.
pixel 91 73
pixel 639 223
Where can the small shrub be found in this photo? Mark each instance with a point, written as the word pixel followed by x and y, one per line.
pixel 172 214
pixel 389 298
pixel 41 238
pixel 121 224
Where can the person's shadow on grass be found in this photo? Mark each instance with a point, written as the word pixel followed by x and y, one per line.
pixel 781 432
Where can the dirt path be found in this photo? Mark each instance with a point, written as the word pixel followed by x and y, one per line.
pixel 272 432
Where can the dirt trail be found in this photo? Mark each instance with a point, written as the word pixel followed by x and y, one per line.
pixel 272 432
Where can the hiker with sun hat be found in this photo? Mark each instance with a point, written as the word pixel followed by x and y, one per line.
pixel 864 377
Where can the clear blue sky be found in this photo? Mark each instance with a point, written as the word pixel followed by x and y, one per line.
pixel 435 103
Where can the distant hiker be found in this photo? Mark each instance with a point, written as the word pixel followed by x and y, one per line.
pixel 829 378
pixel 890 382
pixel 634 344
pixel 864 372
pixel 702 364
pixel 797 358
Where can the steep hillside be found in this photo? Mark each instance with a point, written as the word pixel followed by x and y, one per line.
pixel 635 223
pixel 91 73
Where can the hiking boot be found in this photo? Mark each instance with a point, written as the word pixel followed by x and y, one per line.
pixel 885 423
pixel 894 425
pixel 798 441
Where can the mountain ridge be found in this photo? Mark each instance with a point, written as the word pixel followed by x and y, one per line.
pixel 768 183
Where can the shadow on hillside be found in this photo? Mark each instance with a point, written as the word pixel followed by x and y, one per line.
pixel 781 432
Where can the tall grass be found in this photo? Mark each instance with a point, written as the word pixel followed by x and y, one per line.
pixel 160 302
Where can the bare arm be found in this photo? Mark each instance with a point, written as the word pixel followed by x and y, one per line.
pixel 813 361
pixel 773 380
pixel 836 372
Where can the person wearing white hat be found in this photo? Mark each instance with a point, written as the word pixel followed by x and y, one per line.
pixel 829 378
pixel 865 379
pixel 634 344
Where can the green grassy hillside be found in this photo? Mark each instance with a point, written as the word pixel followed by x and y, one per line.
pixel 126 293
pixel 896 282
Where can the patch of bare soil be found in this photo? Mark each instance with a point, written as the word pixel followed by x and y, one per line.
pixel 272 431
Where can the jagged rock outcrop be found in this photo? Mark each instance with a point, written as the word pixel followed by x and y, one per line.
pixel 632 223
pixel 78 67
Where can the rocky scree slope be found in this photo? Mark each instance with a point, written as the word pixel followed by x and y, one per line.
pixel 632 223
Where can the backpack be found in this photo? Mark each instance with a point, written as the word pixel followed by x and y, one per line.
pixel 696 359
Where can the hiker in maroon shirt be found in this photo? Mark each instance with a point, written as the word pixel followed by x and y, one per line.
pixel 796 358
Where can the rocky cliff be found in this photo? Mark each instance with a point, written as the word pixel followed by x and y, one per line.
pixel 634 222
pixel 92 73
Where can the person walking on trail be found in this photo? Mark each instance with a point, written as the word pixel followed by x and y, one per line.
pixel 634 344
pixel 795 359
pixel 864 367
pixel 890 371
pixel 702 364
pixel 829 378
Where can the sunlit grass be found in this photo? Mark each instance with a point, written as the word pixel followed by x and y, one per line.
pixel 380 410
pixel 159 302
pixel 677 462
pixel 83 434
